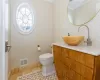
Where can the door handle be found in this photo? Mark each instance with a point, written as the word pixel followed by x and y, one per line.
pixel 7 47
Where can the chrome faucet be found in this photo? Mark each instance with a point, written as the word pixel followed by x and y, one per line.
pixel 89 42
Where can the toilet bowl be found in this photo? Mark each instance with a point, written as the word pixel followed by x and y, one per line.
pixel 47 64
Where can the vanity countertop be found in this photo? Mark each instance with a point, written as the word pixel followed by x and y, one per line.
pixel 93 50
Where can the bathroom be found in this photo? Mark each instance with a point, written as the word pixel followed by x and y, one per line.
pixel 49 23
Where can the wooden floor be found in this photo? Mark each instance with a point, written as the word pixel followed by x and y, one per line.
pixel 19 72
pixel 31 70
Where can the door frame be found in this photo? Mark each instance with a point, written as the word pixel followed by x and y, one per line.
pixel 2 42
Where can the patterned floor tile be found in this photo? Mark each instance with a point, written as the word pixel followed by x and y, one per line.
pixel 37 75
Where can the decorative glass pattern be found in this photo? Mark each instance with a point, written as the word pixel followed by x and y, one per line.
pixel 24 18
pixel 36 74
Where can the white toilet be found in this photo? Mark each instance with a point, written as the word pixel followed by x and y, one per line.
pixel 47 64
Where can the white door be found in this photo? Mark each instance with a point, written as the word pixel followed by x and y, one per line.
pixel 2 42
pixel 6 36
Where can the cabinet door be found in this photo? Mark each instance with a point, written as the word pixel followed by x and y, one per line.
pixel 57 62
pixel 59 70
pixel 57 53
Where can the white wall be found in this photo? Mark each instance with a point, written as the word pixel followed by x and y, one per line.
pixel 63 26
pixel 25 46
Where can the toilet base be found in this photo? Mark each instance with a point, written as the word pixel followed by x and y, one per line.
pixel 48 70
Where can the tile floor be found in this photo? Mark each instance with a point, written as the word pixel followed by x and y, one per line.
pixel 36 75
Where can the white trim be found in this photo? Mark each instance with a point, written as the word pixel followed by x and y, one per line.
pixel 2 42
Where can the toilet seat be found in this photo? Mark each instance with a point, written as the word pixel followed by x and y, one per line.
pixel 46 56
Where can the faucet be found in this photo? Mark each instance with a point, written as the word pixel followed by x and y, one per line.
pixel 89 42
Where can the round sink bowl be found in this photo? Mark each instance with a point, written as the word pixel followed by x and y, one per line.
pixel 73 40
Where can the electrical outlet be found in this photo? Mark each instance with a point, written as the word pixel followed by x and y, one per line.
pixel 23 62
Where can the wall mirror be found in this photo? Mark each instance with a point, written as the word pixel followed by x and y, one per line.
pixel 81 12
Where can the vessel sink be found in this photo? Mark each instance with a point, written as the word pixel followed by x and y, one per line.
pixel 73 40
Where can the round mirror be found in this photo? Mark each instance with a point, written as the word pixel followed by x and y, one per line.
pixel 82 11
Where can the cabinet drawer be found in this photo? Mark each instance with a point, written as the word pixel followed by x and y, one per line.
pixel 86 59
pixel 66 71
pixel 62 71
pixel 66 61
pixel 83 58
pixel 89 60
pixel 74 76
pixel 73 55
pixel 73 64
pixel 76 66
pixel 82 78
pixel 65 52
pixel 71 74
pixel 86 72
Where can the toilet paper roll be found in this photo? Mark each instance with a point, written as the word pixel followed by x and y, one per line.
pixel 39 48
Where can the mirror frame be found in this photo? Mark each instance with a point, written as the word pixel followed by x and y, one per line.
pixel 85 22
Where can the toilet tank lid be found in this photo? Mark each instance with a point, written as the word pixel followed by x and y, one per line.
pixel 47 55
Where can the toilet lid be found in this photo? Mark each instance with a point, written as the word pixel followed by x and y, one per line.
pixel 47 55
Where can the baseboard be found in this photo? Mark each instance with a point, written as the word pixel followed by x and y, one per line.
pixel 20 70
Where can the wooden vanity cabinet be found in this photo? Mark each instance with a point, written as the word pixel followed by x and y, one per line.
pixel 74 65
